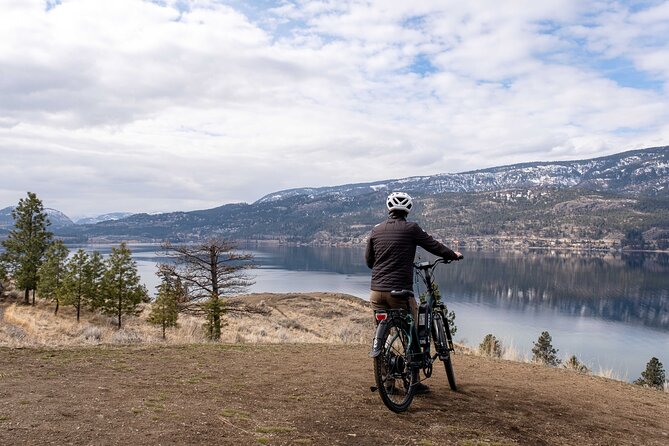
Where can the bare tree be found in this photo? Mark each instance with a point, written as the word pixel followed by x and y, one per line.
pixel 209 271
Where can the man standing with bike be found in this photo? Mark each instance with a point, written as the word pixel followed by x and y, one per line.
pixel 390 253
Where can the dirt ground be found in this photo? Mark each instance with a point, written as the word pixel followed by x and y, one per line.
pixel 304 394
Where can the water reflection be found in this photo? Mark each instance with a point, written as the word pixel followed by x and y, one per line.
pixel 632 289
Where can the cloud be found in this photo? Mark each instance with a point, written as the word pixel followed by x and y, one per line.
pixel 176 105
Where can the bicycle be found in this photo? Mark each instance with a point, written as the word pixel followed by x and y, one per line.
pixel 401 348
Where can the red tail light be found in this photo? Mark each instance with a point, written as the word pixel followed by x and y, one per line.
pixel 381 316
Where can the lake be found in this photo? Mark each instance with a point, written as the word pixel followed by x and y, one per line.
pixel 610 310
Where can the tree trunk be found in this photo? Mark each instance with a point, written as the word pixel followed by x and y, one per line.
pixel 164 323
pixel 55 312
pixel 213 269
pixel 217 325
pixel 78 309
pixel 26 297
pixel 33 298
pixel 120 301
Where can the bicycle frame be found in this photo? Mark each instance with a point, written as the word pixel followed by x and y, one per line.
pixel 402 345
pixel 420 355
pixel 424 271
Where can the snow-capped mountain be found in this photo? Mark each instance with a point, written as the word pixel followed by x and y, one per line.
pixel 104 217
pixel 56 217
pixel 639 172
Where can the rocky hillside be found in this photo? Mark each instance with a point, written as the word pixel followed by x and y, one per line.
pixel 638 172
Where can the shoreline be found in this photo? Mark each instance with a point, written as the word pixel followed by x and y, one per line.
pixel 494 247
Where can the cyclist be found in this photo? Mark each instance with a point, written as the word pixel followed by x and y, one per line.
pixel 390 253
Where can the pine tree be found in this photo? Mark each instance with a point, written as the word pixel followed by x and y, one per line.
pixel 123 291
pixel 164 310
pixel 3 278
pixel 26 244
pixel 490 347
pixel 76 292
pixel 52 273
pixel 653 376
pixel 95 273
pixel 543 351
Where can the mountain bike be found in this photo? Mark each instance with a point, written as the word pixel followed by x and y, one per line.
pixel 402 347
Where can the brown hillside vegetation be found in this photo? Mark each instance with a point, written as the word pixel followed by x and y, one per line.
pixel 300 393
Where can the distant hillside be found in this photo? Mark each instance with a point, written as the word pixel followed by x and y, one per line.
pixel 57 218
pixel 609 201
pixel 103 217
pixel 638 172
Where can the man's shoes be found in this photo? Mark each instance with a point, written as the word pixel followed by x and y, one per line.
pixel 422 389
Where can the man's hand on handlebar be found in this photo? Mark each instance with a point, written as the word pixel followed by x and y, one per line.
pixel 459 255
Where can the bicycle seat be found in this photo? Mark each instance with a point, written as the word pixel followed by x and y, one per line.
pixel 402 294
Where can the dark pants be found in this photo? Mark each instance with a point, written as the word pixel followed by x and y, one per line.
pixel 383 300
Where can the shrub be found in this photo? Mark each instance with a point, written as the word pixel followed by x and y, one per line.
pixel 91 333
pixel 491 347
pixel 16 333
pixel 124 336
pixel 653 376
pixel 543 351
pixel 574 364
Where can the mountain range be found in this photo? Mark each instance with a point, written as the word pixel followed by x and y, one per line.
pixel 58 219
pixel 602 202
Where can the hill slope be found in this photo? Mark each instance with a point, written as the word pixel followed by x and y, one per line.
pixel 305 394
pixel 537 204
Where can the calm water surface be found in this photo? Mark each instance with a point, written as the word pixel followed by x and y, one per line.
pixel 612 311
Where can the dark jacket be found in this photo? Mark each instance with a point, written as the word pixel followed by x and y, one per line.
pixel 391 249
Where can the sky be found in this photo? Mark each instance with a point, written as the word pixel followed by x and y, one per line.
pixel 176 105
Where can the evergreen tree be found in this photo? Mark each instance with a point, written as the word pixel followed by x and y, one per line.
pixel 95 273
pixel 75 284
pixel 164 310
pixel 543 351
pixel 208 271
pixel 52 273
pixel 26 244
pixel 653 376
pixel 3 278
pixel 123 291
pixel 490 347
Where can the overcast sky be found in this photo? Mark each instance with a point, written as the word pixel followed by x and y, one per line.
pixel 150 106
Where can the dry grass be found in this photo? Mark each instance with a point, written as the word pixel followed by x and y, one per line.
pixel 508 349
pixel 302 318
pixel 27 326
pixel 610 374
pixel 294 318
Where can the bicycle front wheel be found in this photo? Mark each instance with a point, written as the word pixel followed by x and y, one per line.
pixel 395 378
pixel 441 337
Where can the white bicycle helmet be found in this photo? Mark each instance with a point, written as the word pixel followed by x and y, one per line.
pixel 399 201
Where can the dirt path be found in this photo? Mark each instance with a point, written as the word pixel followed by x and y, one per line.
pixel 305 394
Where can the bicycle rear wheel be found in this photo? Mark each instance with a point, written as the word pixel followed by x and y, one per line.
pixel 441 338
pixel 395 378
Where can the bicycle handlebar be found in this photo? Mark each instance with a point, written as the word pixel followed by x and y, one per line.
pixel 430 265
